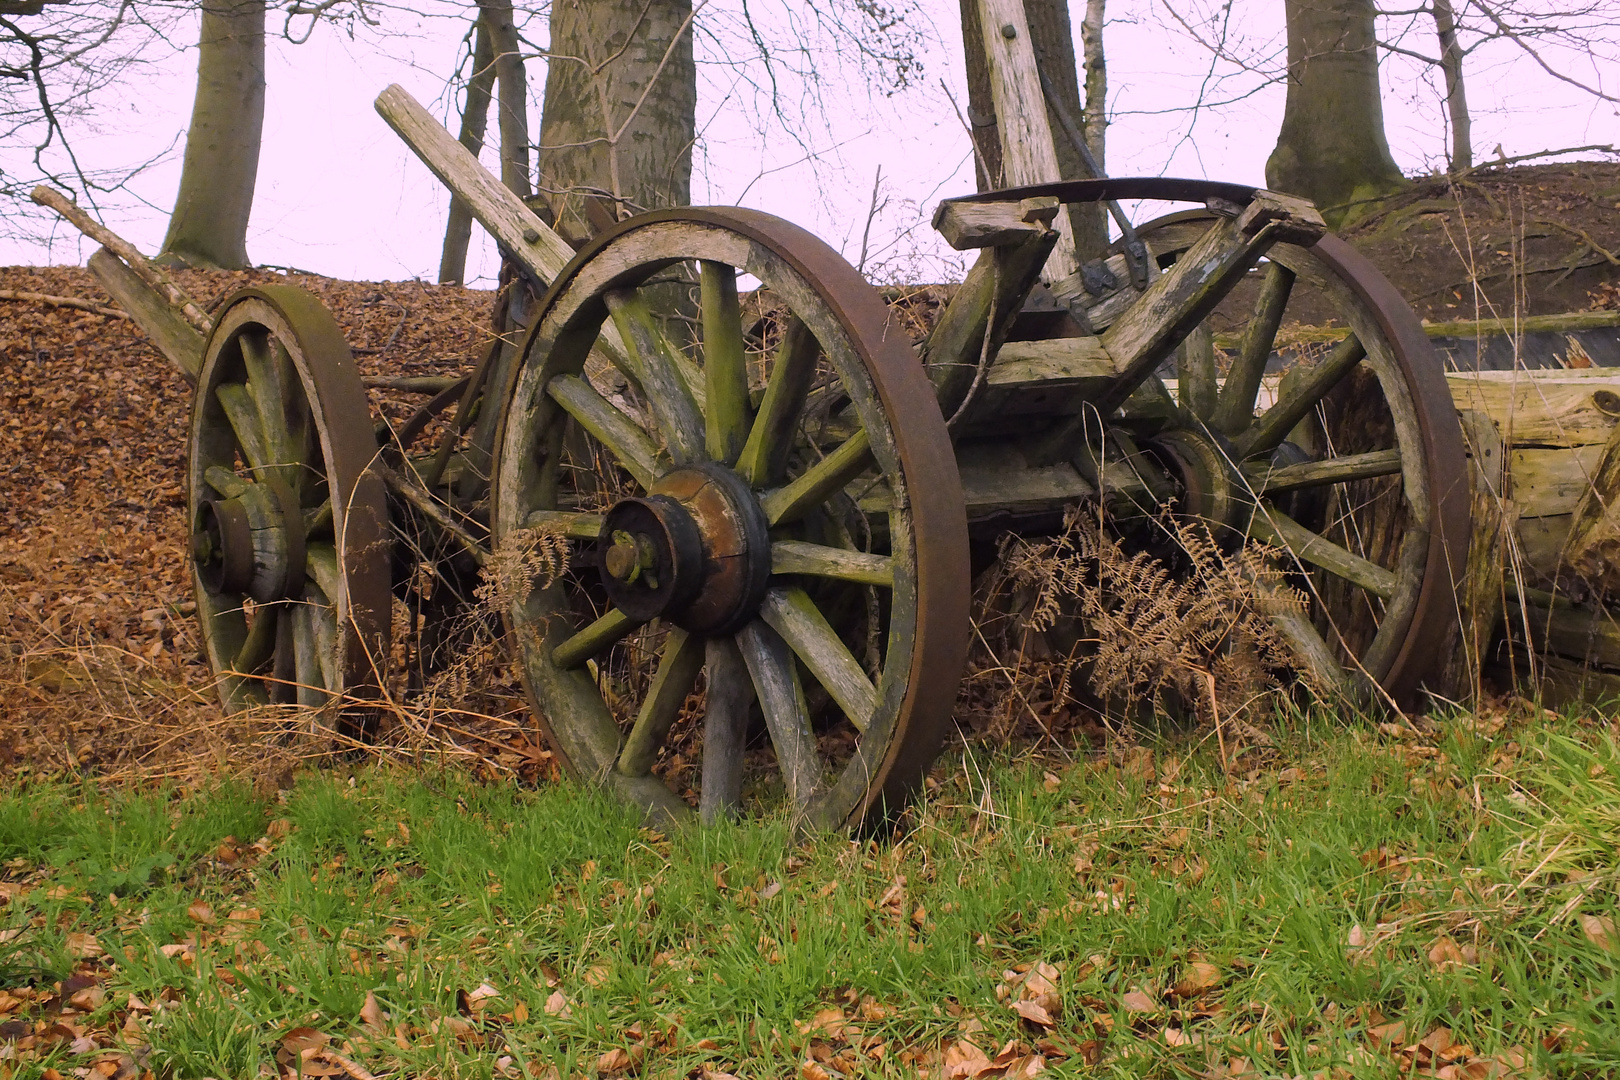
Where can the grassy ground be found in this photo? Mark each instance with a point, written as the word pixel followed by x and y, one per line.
pixel 1355 902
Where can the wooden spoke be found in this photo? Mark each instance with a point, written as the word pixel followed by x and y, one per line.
pixel 1195 373
pixel 608 424
pixel 798 557
pixel 1235 412
pixel 765 456
pixel 244 419
pixel 1311 653
pixel 793 615
pixel 677 671
pixel 725 365
pixel 318 518
pixel 596 637
pixel 321 564
pixel 259 643
pixel 1271 526
pixel 1274 425
pixel 1308 474
pixel 563 523
pixel 658 373
pixel 311 688
pixel 725 728
pixel 770 665
pixel 326 646
pixel 283 682
pixel 826 476
pixel 225 482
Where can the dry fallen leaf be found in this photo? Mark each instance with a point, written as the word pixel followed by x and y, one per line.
pixel 1199 977
pixel 299 1039
pixel 1138 1002
pixel 615 1060
pixel 557 1005
pixel 372 1016
pixel 1391 1034
pixel 1357 938
pixel 813 1070
pixel 1599 930
pixel 83 946
pixel 965 1060
pixel 1444 954
pixel 200 912
pixel 1034 1012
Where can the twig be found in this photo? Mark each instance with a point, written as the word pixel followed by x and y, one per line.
pixel 1607 148
pixel 63 301
pixel 871 212
pixel 149 273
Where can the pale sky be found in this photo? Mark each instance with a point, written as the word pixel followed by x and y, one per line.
pixel 338 193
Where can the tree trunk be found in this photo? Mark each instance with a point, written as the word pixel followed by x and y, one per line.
pixel 1451 57
pixel 620 112
pixel 1332 148
pixel 512 100
pixel 474 119
pixel 1091 47
pixel 210 220
pixel 1052 36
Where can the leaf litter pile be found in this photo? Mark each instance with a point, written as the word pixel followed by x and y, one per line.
pixel 1334 899
pixel 100 664
pixel 1367 901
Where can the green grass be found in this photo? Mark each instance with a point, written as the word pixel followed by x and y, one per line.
pixel 717 948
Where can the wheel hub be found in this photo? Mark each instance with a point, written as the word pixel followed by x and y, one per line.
pixel 694 550
pixel 253 543
pixel 1201 463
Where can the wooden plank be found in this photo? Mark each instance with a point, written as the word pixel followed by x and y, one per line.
pixel 1543 408
pixel 513 225
pixel 979 225
pixel 575 526
pixel 1028 151
pixel 990 491
pixel 1549 482
pixel 1075 360
pixel 164 327
pixel 1593 547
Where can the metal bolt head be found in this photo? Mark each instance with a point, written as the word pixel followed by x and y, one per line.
pixel 532 235
pixel 1009 31
pixel 623 558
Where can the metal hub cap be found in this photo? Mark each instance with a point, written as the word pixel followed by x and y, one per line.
pixel 695 550
pixel 1201 464
pixel 253 543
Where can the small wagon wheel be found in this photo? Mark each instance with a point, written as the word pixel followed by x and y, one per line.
pixel 1352 463
pixel 289 525
pixel 804 548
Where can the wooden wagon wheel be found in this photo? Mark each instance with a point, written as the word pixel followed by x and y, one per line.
pixel 805 547
pixel 1352 463
pixel 289 524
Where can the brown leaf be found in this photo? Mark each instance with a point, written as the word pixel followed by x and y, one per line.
pixel 614 1061
pixel 299 1039
pixel 557 1005
pixel 1138 1002
pixel 200 912
pixel 83 946
pixel 965 1060
pixel 1199 977
pixel 711 1074
pixel 1599 930
pixel 1051 781
pixel 1034 1012
pixel 1357 937
pixel 1444 954
pixel 372 1015
pixel 89 999
pixel 596 975
pixel 811 1069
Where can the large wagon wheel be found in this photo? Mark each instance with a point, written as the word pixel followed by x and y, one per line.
pixel 1352 464
pixel 289 525
pixel 805 549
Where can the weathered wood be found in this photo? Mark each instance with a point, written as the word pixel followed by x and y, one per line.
pixel 1028 151
pixel 965 226
pixel 564 523
pixel 1276 422
pixel 50 300
pixel 426 385
pixel 513 225
pixel 1196 382
pixel 1480 587
pixel 598 636
pixel 819 560
pixel 651 362
pixel 1570 323
pixel 725 729
pixel 971 329
pixel 826 476
pixel 1339 470
pixel 1592 550
pixel 677 672
pixel 997 480
pixel 1277 529
pixel 622 436
pixel 1551 482
pixel 1235 412
pixel 164 327
pixel 770 439
pixel 771 666
pixel 150 274
pixel 1557 408
pixel 1102 308
pixel 793 615
pixel 728 415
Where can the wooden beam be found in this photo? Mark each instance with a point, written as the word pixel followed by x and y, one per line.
pixel 162 324
pixel 1028 151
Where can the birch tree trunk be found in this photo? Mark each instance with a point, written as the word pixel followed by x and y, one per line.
pixel 209 224
pixel 620 112
pixel 1332 148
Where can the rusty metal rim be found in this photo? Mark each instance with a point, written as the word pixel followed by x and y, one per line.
pixel 927 460
pixel 1434 615
pixel 1156 188
pixel 359 499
